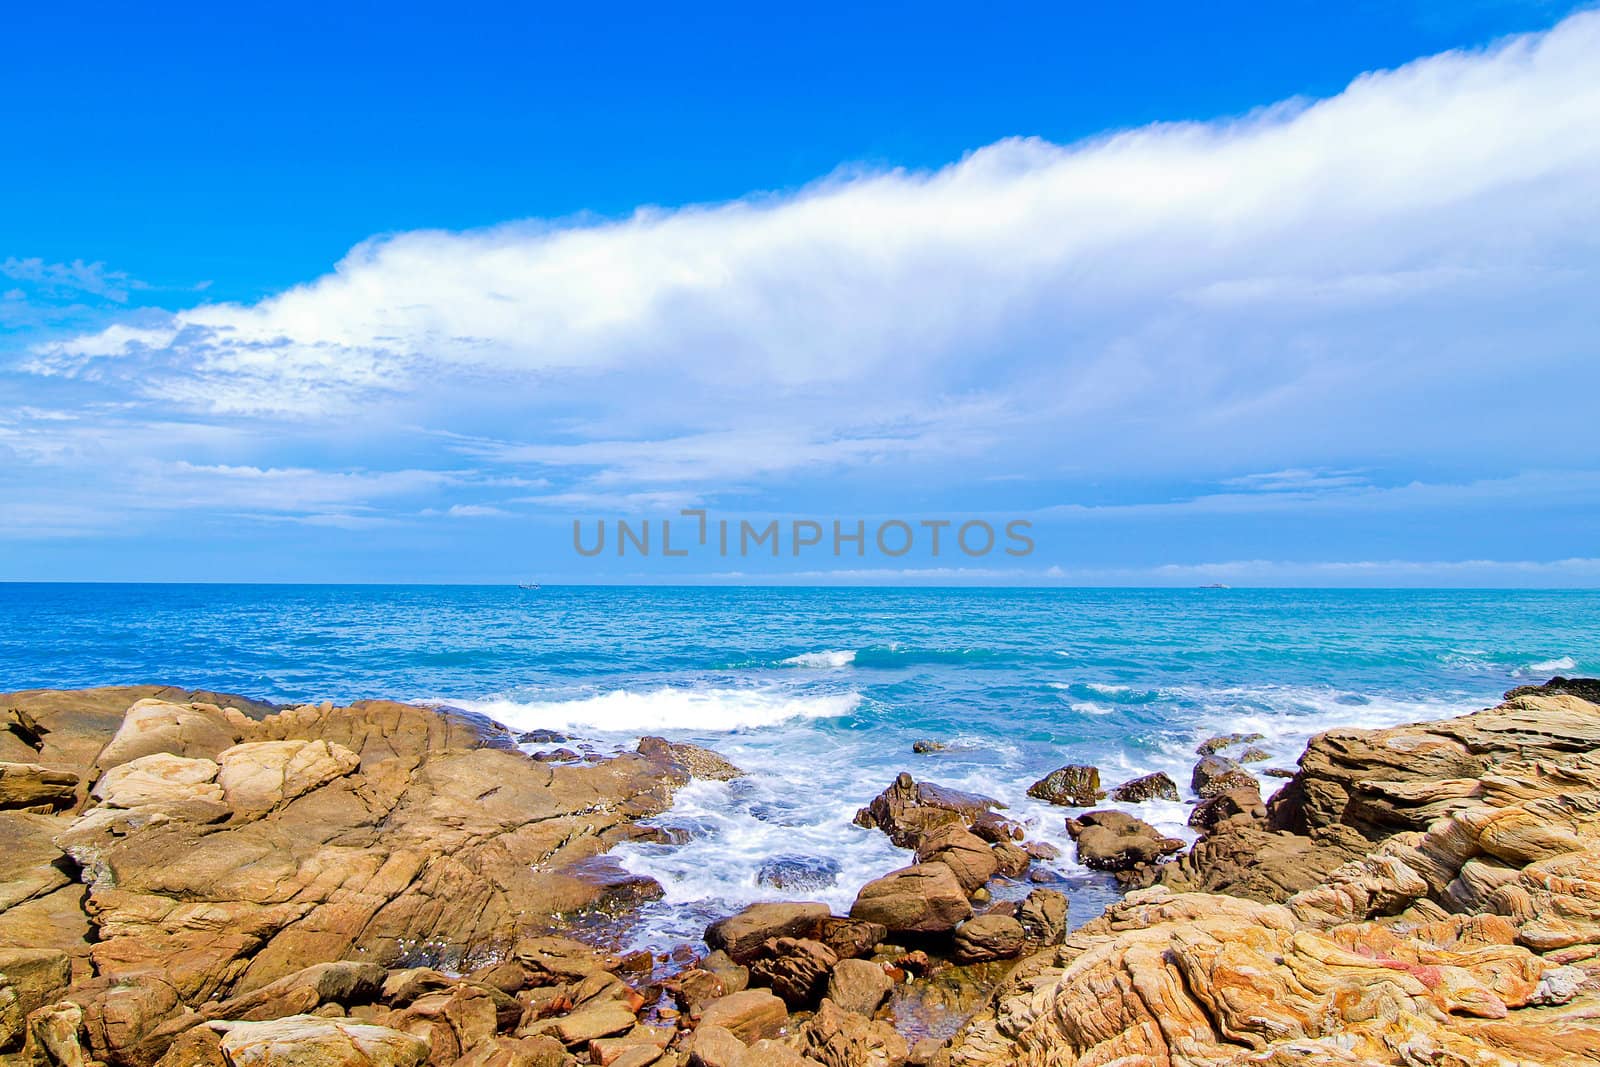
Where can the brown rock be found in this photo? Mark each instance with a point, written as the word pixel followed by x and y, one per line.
pixel 1215 775
pixel 1043 915
pixel 307 1041
pixel 30 978
pixel 1245 801
pixel 858 986
pixel 794 968
pixel 741 936
pixel 713 1046
pixel 1072 786
pixel 908 809
pixel 32 787
pixel 748 1016
pixel 851 937
pixel 924 898
pixel 837 1038
pixel 988 937
pixel 968 855
pixel 1116 841
pixel 695 761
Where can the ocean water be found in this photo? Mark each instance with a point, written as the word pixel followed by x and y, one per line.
pixel 819 693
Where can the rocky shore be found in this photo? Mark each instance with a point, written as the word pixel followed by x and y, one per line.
pixel 199 879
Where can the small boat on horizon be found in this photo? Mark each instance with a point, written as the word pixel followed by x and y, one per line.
pixel 527 585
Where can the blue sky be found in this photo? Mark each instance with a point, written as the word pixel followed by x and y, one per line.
pixel 1264 294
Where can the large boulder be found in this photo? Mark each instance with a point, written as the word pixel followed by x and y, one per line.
pixel 923 898
pixel 1215 775
pixel 859 986
pixel 749 1015
pixel 1155 786
pixel 908 810
pixel 1116 841
pixel 835 1037
pixel 309 1041
pixel 262 775
pixel 742 936
pixel 1072 786
pixel 159 779
pixel 795 968
pixel 966 854
pixel 988 937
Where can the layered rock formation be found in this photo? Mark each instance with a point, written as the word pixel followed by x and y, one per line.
pixel 1462 925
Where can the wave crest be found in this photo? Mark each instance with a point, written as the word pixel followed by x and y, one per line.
pixel 667 708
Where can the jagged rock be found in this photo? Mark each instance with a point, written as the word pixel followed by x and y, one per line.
pixel 859 986
pixel 924 898
pixel 909 809
pixel 1072 786
pixel 749 1015
pixel 713 1046
pixel 694 988
pixel 697 762
pixel 1245 801
pixel 925 746
pixel 1155 786
pixel 262 775
pixel 30 978
pixel 988 937
pixel 741 936
pixel 1252 754
pixel 308 1041
pixel 1043 915
pixel 1212 745
pixel 965 853
pixel 1214 775
pixel 561 958
pixel 795 968
pixel 996 828
pixel 735 977
pixel 55 1036
pixel 1011 860
pixel 838 1038
pixel 851 938
pixel 1116 841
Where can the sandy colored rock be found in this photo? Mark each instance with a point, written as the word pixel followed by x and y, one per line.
pixel 30 786
pixel 307 1041
pixel 712 1045
pixel 262 775
pixel 837 1038
pixel 749 1015
pixel 966 854
pixel 30 978
pixel 923 898
pixel 158 779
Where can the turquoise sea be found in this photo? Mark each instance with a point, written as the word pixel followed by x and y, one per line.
pixel 819 693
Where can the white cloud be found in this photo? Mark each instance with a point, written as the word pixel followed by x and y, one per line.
pixel 1457 172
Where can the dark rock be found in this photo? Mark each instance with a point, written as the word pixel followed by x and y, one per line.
pixel 1116 841
pixel 1211 746
pixel 1582 688
pixel 542 737
pixel 995 828
pixel 1155 786
pixel 850 938
pixel 1072 786
pixel 1042 850
pixel 1254 755
pixel 697 762
pixel 925 746
pixel 1012 860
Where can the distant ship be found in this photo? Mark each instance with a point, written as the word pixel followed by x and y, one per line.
pixel 1213 585
pixel 527 585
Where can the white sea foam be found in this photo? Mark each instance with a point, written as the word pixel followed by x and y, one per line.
pixel 1564 663
pixel 668 708
pixel 828 659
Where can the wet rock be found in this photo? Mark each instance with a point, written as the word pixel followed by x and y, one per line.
pixel 749 1015
pixel 988 937
pixel 696 761
pixel 1043 915
pixel 694 988
pixel 1155 786
pixel 542 737
pixel 1041 850
pixel 557 959
pixel 925 746
pixel 805 873
pixel 968 855
pixel 1116 841
pixel 1253 755
pixel 308 1041
pixel 858 986
pixel 924 898
pixel 741 936
pixel 1010 860
pixel 1211 746
pixel 1214 775
pixel 1278 772
pixel 996 828
pixel 909 809
pixel 1072 786
pixel 735 977
pixel 795 968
